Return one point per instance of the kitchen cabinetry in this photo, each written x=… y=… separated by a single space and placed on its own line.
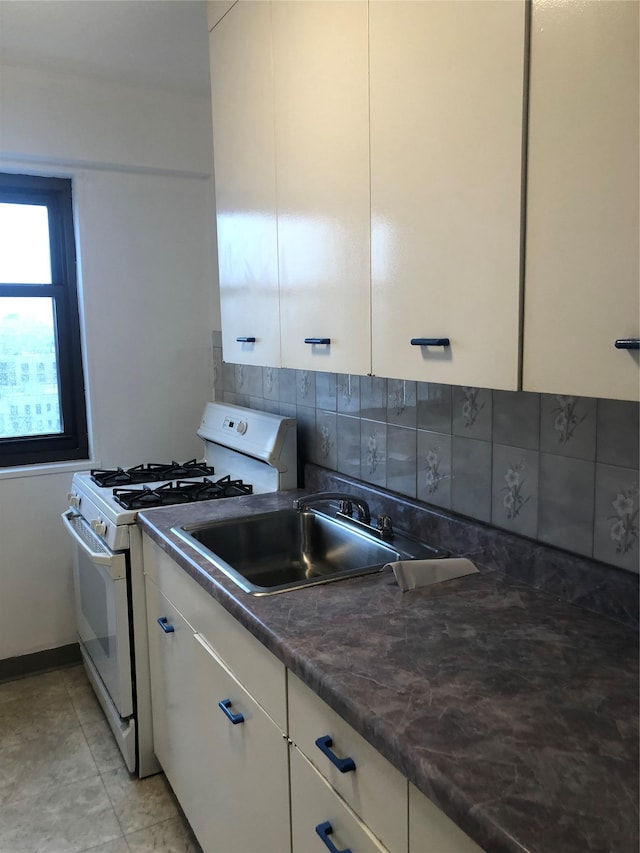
x=245 y=181
x=319 y=818
x=371 y=787
x=218 y=746
x=234 y=779
x=582 y=272
x=322 y=164
x=446 y=174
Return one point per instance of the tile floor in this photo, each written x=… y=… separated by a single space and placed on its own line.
x=64 y=787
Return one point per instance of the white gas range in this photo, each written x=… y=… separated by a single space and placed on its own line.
x=245 y=452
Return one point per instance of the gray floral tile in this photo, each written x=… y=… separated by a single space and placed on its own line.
x=349 y=445
x=373 y=450
x=306 y=433
x=516 y=419
x=287 y=385
x=471 y=415
x=287 y=410
x=326 y=445
x=326 y=391
x=565 y=511
x=434 y=407
x=514 y=502
x=348 y=393
x=401 y=402
x=616 y=517
x=434 y=468
x=228 y=377
x=271 y=383
x=618 y=433
x=218 y=385
x=249 y=380
x=305 y=388
x=568 y=426
x=401 y=460
x=471 y=477
x=373 y=398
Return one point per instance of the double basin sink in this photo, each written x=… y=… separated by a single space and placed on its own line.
x=300 y=546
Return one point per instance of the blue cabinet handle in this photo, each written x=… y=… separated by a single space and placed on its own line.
x=246 y=340
x=162 y=622
x=324 y=830
x=317 y=340
x=225 y=705
x=628 y=343
x=344 y=765
x=430 y=342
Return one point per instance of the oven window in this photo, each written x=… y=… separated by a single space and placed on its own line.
x=96 y=610
x=42 y=407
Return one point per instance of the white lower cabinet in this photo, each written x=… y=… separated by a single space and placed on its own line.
x=431 y=831
x=320 y=819
x=250 y=776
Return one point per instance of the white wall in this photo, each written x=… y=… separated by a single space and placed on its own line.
x=140 y=161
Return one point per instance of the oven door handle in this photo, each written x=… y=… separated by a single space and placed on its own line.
x=87 y=540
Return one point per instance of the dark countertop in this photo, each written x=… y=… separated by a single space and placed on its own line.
x=515 y=712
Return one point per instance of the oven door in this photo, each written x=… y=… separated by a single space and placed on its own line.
x=102 y=612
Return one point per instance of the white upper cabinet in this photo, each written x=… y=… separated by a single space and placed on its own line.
x=245 y=181
x=446 y=171
x=582 y=276
x=322 y=153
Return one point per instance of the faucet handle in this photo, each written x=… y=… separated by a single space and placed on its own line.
x=346 y=508
x=385 y=527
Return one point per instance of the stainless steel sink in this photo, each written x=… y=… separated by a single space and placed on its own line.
x=288 y=549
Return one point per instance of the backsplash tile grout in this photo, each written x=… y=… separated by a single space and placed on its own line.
x=561 y=470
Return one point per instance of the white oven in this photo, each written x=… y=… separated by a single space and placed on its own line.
x=246 y=451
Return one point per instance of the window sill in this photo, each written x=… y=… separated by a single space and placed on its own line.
x=46 y=469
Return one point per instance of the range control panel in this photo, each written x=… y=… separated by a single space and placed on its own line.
x=235 y=425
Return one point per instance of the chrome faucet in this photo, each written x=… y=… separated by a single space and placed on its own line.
x=347 y=502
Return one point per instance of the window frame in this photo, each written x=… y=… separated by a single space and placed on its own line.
x=73 y=442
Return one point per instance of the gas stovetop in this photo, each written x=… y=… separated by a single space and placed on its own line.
x=180 y=492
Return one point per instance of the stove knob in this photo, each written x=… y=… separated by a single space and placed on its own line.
x=98 y=526
x=242 y=427
x=73 y=500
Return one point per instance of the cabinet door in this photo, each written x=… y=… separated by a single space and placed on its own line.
x=244 y=159
x=244 y=806
x=582 y=276
x=446 y=172
x=320 y=820
x=171 y=661
x=431 y=831
x=322 y=151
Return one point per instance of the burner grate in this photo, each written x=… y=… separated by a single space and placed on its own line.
x=180 y=492
x=150 y=472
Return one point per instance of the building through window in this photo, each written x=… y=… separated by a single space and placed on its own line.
x=40 y=354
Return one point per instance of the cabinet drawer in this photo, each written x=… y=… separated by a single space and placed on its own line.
x=314 y=804
x=431 y=831
x=375 y=790
x=251 y=663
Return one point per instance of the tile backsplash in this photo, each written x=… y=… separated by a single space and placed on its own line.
x=560 y=469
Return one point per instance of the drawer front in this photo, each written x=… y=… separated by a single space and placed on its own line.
x=317 y=812
x=375 y=790
x=431 y=831
x=250 y=662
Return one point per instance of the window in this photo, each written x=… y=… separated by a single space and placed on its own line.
x=39 y=324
